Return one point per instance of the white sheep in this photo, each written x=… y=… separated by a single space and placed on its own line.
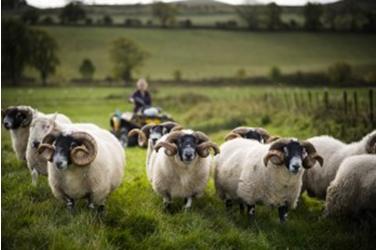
x=259 y=134
x=39 y=128
x=151 y=133
x=353 y=190
x=317 y=179
x=17 y=120
x=85 y=161
x=181 y=169
x=252 y=172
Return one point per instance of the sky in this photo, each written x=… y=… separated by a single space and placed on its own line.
x=59 y=3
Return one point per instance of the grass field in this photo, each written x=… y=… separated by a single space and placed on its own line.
x=207 y=53
x=33 y=219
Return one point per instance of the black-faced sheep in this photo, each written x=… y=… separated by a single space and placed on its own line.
x=180 y=165
x=271 y=174
x=84 y=161
x=258 y=134
x=317 y=179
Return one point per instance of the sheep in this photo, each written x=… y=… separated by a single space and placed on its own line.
x=181 y=169
x=39 y=127
x=259 y=134
x=151 y=133
x=251 y=172
x=17 y=120
x=84 y=161
x=317 y=180
x=353 y=190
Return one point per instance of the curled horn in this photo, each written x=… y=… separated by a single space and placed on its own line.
x=84 y=154
x=203 y=149
x=310 y=160
x=371 y=144
x=141 y=136
x=46 y=149
x=231 y=136
x=177 y=128
x=169 y=143
x=204 y=145
x=275 y=153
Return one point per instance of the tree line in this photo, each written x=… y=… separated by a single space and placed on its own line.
x=347 y=15
x=23 y=47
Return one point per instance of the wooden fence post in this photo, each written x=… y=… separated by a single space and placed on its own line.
x=371 y=108
x=326 y=99
x=356 y=108
x=310 y=99
x=345 y=102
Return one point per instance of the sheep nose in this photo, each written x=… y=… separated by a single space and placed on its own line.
x=35 y=144
x=189 y=155
x=59 y=164
x=154 y=140
x=296 y=167
x=7 y=125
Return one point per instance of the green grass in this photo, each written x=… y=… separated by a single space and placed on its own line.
x=207 y=53
x=33 y=219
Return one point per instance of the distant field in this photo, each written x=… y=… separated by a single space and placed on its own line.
x=204 y=53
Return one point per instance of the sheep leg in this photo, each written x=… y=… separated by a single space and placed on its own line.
x=241 y=207
x=188 y=203
x=228 y=204
x=282 y=210
x=167 y=201
x=251 y=211
x=70 y=204
x=34 y=177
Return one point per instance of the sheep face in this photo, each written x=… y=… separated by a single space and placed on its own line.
x=254 y=135
x=152 y=133
x=63 y=147
x=293 y=155
x=187 y=145
x=187 y=148
x=63 y=150
x=14 y=117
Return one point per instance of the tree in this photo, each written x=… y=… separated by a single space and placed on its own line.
x=30 y=16
x=340 y=72
x=107 y=20
x=15 y=49
x=127 y=57
x=166 y=13
x=273 y=16
x=250 y=15
x=72 y=13
x=312 y=15
x=87 y=69
x=43 y=54
x=330 y=15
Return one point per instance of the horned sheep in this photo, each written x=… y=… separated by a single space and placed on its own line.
x=317 y=179
x=17 y=120
x=84 y=161
x=180 y=165
x=251 y=172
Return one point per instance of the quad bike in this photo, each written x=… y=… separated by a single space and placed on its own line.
x=122 y=123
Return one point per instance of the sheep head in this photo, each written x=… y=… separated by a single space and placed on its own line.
x=153 y=132
x=79 y=148
x=15 y=117
x=259 y=134
x=371 y=144
x=292 y=154
x=187 y=144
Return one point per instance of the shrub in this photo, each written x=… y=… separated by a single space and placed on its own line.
x=47 y=20
x=241 y=74
x=275 y=73
x=340 y=72
x=107 y=20
x=177 y=75
x=87 y=69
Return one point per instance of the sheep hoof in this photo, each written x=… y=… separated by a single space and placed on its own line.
x=167 y=206
x=91 y=206
x=70 y=206
x=101 y=209
x=251 y=211
x=228 y=204
x=282 y=210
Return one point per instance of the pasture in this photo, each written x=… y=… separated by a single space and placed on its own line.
x=134 y=219
x=211 y=53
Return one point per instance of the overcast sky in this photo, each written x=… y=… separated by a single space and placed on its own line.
x=59 y=3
